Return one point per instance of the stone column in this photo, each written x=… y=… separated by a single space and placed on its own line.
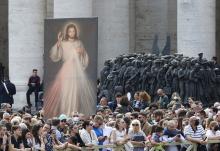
x=113 y=23
x=151 y=19
x=4 y=35
x=196 y=27
x=72 y=8
x=26 y=43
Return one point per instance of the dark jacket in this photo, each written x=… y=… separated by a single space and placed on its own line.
x=4 y=96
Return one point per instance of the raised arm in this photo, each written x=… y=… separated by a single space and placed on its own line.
x=57 y=50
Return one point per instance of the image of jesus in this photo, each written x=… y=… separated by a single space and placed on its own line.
x=71 y=91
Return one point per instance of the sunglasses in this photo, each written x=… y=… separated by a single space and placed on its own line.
x=63 y=120
x=135 y=124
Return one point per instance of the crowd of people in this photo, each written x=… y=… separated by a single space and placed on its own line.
x=138 y=124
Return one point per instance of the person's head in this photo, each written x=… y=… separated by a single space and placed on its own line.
x=71 y=32
x=98 y=121
x=153 y=107
x=181 y=113
x=6 y=107
x=144 y=96
x=34 y=72
x=46 y=127
x=127 y=121
x=202 y=114
x=37 y=130
x=214 y=110
x=142 y=117
x=208 y=121
x=63 y=120
x=55 y=122
x=53 y=133
x=74 y=129
x=27 y=118
x=214 y=59
x=100 y=111
x=16 y=130
x=194 y=121
x=160 y=92
x=171 y=125
x=185 y=122
x=213 y=126
x=200 y=55
x=118 y=97
x=87 y=125
x=124 y=101
x=159 y=130
x=190 y=101
x=158 y=115
x=6 y=117
x=104 y=101
x=136 y=96
x=135 y=125
x=217 y=117
x=190 y=114
x=175 y=96
x=134 y=115
x=26 y=134
x=120 y=124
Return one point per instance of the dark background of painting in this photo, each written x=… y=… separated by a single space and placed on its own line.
x=88 y=35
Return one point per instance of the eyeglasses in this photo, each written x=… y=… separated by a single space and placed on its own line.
x=64 y=120
x=135 y=124
x=91 y=124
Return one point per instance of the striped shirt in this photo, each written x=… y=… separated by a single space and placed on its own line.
x=197 y=134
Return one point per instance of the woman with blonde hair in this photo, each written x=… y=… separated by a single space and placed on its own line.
x=137 y=136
